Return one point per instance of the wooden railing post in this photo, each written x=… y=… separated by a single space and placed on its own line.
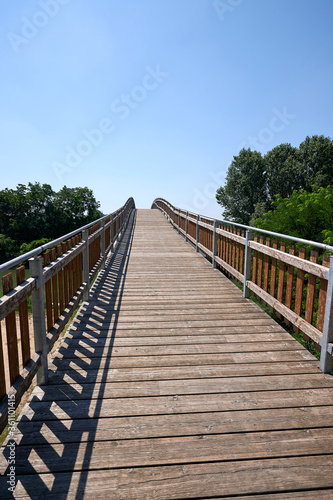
x=38 y=315
x=327 y=338
x=197 y=230
x=214 y=244
x=186 y=226
x=174 y=217
x=85 y=263
x=179 y=211
x=247 y=264
x=103 y=243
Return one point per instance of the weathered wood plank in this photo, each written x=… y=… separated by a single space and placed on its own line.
x=2 y=369
x=11 y=301
x=187 y=481
x=180 y=450
x=24 y=319
x=193 y=359
x=90 y=340
x=148 y=388
x=156 y=405
x=11 y=333
x=290 y=259
x=183 y=372
x=179 y=350
x=193 y=424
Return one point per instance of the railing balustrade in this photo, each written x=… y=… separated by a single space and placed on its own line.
x=59 y=278
x=294 y=281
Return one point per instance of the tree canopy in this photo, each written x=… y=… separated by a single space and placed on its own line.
x=36 y=211
x=304 y=214
x=253 y=181
x=245 y=186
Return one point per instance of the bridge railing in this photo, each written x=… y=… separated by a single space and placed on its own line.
x=57 y=280
x=293 y=276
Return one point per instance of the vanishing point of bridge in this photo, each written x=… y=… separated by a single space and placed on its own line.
x=169 y=384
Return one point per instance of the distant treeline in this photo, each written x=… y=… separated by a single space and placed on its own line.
x=31 y=215
x=286 y=190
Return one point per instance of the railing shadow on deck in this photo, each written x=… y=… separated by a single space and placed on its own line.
x=75 y=389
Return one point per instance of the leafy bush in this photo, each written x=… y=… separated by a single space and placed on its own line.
x=27 y=247
x=304 y=214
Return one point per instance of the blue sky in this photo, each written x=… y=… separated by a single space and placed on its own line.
x=150 y=98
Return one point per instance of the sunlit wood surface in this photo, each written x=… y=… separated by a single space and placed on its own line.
x=170 y=385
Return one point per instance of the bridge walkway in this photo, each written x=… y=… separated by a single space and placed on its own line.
x=169 y=384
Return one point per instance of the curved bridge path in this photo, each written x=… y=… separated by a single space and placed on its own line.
x=169 y=384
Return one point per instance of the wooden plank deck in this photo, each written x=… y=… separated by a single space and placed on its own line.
x=170 y=385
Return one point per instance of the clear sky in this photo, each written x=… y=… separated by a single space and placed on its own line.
x=153 y=98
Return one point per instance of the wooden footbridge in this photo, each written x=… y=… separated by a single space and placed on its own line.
x=169 y=383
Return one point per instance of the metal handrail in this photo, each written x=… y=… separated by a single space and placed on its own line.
x=37 y=251
x=317 y=244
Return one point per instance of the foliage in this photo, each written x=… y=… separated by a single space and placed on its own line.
x=282 y=176
x=8 y=248
x=74 y=207
x=253 y=181
x=27 y=247
x=245 y=186
x=29 y=213
x=304 y=214
x=315 y=161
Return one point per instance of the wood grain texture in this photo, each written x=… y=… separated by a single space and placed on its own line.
x=168 y=384
x=11 y=333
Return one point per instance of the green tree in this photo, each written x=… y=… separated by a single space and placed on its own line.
x=29 y=213
x=8 y=248
x=75 y=207
x=244 y=188
x=304 y=214
x=283 y=175
x=26 y=213
x=315 y=161
x=253 y=182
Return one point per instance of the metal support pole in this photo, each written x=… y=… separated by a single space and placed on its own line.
x=186 y=227
x=38 y=314
x=111 y=234
x=197 y=233
x=247 y=264
x=214 y=244
x=85 y=260
x=327 y=338
x=103 y=243
x=117 y=226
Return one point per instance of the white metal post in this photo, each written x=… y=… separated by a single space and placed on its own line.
x=247 y=264
x=111 y=233
x=186 y=226
x=117 y=225
x=327 y=338
x=103 y=243
x=85 y=263
x=197 y=233
x=38 y=314
x=214 y=244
